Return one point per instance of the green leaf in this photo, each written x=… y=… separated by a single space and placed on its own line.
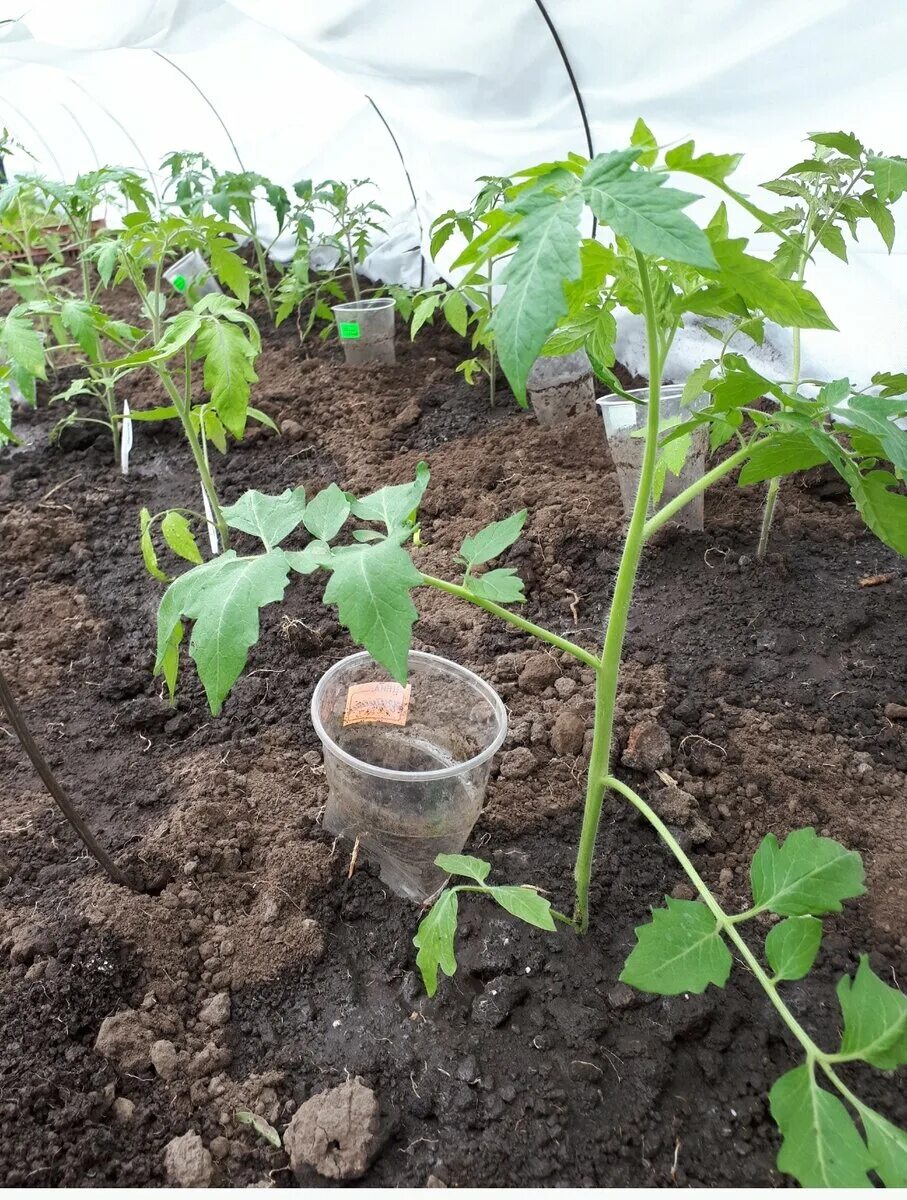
x=643 y=136
x=394 y=505
x=229 y=268
x=546 y=257
x=713 y=167
x=269 y=518
x=326 y=513
x=882 y=506
x=262 y=1127
x=880 y=216
x=169 y=659
x=178 y=536
x=792 y=945
x=149 y=556
x=807 y=875
x=637 y=206
x=681 y=950
x=831 y=237
x=873 y=415
x=782 y=300
x=423 y=310
x=781 y=454
x=464 y=864
x=844 y=143
x=78 y=318
x=502 y=586
x=214 y=429
x=22 y=345
x=887 y=1146
x=889 y=177
x=695 y=382
x=525 y=903
x=493 y=540
x=435 y=941
x=370 y=586
x=456 y=313
x=875 y=1019
x=106 y=261
x=222 y=597
x=821 y=1146
x=315 y=555
x=229 y=372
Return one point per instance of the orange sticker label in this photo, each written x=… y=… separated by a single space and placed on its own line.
x=383 y=703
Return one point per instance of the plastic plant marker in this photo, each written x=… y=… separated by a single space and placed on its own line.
x=349 y=330
x=179 y=282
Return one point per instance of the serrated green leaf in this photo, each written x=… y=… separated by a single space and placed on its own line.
x=229 y=356
x=821 y=1146
x=223 y=598
x=831 y=237
x=326 y=513
x=873 y=415
x=637 y=206
x=169 y=660
x=875 y=1019
x=680 y=950
x=493 y=540
x=695 y=382
x=393 y=505
x=525 y=903
x=643 y=136
x=22 y=345
x=880 y=216
x=371 y=585
x=713 y=167
x=435 y=941
x=107 y=261
x=316 y=554
x=784 y=301
x=502 y=586
x=229 y=268
x=781 y=454
x=844 y=143
x=262 y=1127
x=270 y=518
x=464 y=864
x=882 y=506
x=887 y=1148
x=889 y=177
x=806 y=875
x=792 y=945
x=214 y=429
x=178 y=536
x=149 y=557
x=423 y=310
x=78 y=318
x=456 y=313
x=546 y=257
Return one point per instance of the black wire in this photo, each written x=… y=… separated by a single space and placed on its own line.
x=412 y=190
x=207 y=100
x=576 y=92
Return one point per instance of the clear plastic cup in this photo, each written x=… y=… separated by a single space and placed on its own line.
x=561 y=386
x=408 y=792
x=191 y=277
x=366 y=329
x=624 y=421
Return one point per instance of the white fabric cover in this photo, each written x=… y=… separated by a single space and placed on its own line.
x=468 y=89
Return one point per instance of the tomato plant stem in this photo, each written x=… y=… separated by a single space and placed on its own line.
x=544 y=635
x=609 y=668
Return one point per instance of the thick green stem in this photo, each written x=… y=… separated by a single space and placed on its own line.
x=609 y=671
x=725 y=923
x=183 y=411
x=262 y=260
x=354 y=281
x=702 y=484
x=111 y=405
x=492 y=356
x=544 y=635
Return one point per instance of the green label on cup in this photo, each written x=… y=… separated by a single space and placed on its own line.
x=349 y=330
x=179 y=282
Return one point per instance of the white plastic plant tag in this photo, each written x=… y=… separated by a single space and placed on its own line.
x=125 y=438
x=212 y=528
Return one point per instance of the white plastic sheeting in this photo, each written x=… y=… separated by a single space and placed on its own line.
x=468 y=89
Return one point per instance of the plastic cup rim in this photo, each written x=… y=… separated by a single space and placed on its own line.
x=667 y=389
x=371 y=304
x=179 y=267
x=359 y=764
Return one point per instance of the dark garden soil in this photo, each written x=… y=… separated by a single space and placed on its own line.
x=532 y=1065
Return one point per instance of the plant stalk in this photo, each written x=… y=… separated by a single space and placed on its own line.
x=94 y=848
x=609 y=668
x=674 y=506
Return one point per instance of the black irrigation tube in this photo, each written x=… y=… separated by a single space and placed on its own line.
x=412 y=190
x=576 y=92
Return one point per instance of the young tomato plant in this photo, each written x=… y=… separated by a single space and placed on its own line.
x=842 y=186
x=22 y=364
x=661 y=260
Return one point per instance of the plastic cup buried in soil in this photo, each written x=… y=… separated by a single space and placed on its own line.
x=366 y=329
x=191 y=277
x=625 y=423
x=406 y=767
x=560 y=387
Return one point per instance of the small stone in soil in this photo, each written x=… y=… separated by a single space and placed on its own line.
x=517 y=764
x=648 y=747
x=338 y=1132
x=164 y=1058
x=187 y=1162
x=216 y=1011
x=568 y=734
x=539 y=673
x=125 y=1041
x=896 y=712
x=123 y=1110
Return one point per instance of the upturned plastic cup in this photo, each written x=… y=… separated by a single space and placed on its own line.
x=366 y=329
x=560 y=387
x=191 y=277
x=625 y=421
x=407 y=792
